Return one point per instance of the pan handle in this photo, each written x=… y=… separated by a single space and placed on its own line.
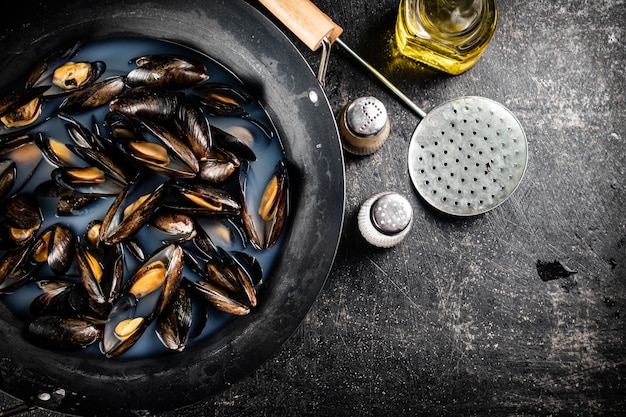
x=315 y=29
x=305 y=20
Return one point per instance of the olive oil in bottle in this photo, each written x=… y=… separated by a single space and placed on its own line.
x=449 y=35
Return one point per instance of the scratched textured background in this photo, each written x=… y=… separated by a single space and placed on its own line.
x=457 y=320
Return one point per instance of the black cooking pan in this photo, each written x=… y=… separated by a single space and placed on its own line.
x=236 y=34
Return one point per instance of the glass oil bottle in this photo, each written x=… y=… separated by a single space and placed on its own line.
x=448 y=35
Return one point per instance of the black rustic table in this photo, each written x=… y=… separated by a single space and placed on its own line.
x=519 y=311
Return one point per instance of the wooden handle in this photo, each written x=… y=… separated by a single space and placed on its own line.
x=305 y=20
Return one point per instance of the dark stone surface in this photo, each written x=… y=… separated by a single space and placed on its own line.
x=457 y=319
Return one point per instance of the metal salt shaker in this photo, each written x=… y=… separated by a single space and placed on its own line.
x=364 y=126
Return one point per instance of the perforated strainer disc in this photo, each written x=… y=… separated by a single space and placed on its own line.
x=467 y=156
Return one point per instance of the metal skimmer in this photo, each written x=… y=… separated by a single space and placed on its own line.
x=467 y=156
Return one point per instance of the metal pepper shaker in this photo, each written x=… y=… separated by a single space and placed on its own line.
x=364 y=125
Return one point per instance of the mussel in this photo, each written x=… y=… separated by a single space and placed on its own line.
x=90 y=181
x=96 y=95
x=22 y=217
x=55 y=247
x=167 y=71
x=177 y=226
x=15 y=269
x=59 y=332
x=204 y=199
x=265 y=218
x=223 y=99
x=21 y=108
x=101 y=272
x=133 y=311
x=85 y=170
x=220 y=99
x=54 y=300
x=132 y=208
x=228 y=283
x=79 y=133
x=162 y=151
x=57 y=152
x=123 y=326
x=240 y=145
x=14 y=141
x=173 y=324
x=149 y=102
x=72 y=75
x=8 y=171
x=64 y=297
x=218 y=166
x=194 y=127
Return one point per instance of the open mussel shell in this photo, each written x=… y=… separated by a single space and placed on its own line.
x=212 y=269
x=15 y=269
x=21 y=108
x=203 y=243
x=123 y=327
x=19 y=98
x=161 y=273
x=101 y=272
x=222 y=99
x=93 y=96
x=226 y=100
x=264 y=216
x=274 y=205
x=90 y=181
x=239 y=145
x=247 y=272
x=73 y=75
x=91 y=270
x=57 y=152
x=132 y=208
x=229 y=281
x=55 y=247
x=22 y=217
x=163 y=151
x=146 y=295
x=79 y=133
x=220 y=298
x=8 y=171
x=204 y=199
